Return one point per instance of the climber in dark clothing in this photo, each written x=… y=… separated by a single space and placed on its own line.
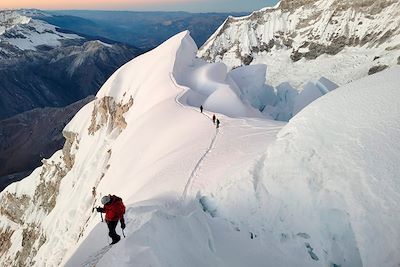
x=214 y=118
x=114 y=209
x=218 y=123
x=201 y=108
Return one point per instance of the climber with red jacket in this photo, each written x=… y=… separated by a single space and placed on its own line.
x=114 y=209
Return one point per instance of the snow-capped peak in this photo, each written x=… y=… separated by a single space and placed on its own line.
x=303 y=40
x=22 y=32
x=10 y=18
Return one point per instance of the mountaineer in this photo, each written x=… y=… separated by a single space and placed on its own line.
x=114 y=209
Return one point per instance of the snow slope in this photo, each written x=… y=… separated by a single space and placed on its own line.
x=333 y=174
x=201 y=196
x=318 y=197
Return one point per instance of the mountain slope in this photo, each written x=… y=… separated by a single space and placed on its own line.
x=304 y=40
x=145 y=30
x=43 y=67
x=245 y=194
x=25 y=139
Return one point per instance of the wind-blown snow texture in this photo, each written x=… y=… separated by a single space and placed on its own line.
x=324 y=192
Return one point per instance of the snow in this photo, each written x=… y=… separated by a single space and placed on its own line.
x=43 y=34
x=104 y=44
x=28 y=33
x=317 y=191
x=311 y=92
x=9 y=18
x=289 y=213
x=333 y=171
x=251 y=81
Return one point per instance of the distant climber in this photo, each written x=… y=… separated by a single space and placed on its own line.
x=201 y=108
x=114 y=209
x=94 y=192
x=214 y=118
x=218 y=123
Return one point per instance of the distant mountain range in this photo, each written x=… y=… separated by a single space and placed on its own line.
x=42 y=66
x=27 y=138
x=145 y=30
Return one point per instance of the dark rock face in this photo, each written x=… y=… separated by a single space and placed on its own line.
x=289 y=5
x=27 y=138
x=376 y=69
x=316 y=49
x=247 y=59
x=57 y=77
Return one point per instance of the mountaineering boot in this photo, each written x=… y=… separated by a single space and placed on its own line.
x=116 y=240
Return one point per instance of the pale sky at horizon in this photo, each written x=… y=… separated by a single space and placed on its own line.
x=142 y=5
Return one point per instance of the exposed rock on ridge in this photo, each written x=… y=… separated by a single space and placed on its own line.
x=18 y=208
x=107 y=111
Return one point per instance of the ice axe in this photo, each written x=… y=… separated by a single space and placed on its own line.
x=101 y=214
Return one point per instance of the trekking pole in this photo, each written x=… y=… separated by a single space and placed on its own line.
x=123 y=233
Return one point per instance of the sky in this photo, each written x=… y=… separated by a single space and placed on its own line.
x=143 y=5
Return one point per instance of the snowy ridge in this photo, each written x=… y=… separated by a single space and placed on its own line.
x=304 y=40
x=25 y=33
x=294 y=195
x=9 y=19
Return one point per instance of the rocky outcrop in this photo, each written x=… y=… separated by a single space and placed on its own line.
x=70 y=140
x=5 y=240
x=14 y=207
x=107 y=112
x=291 y=5
x=377 y=68
x=17 y=208
x=32 y=239
x=316 y=49
x=47 y=190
